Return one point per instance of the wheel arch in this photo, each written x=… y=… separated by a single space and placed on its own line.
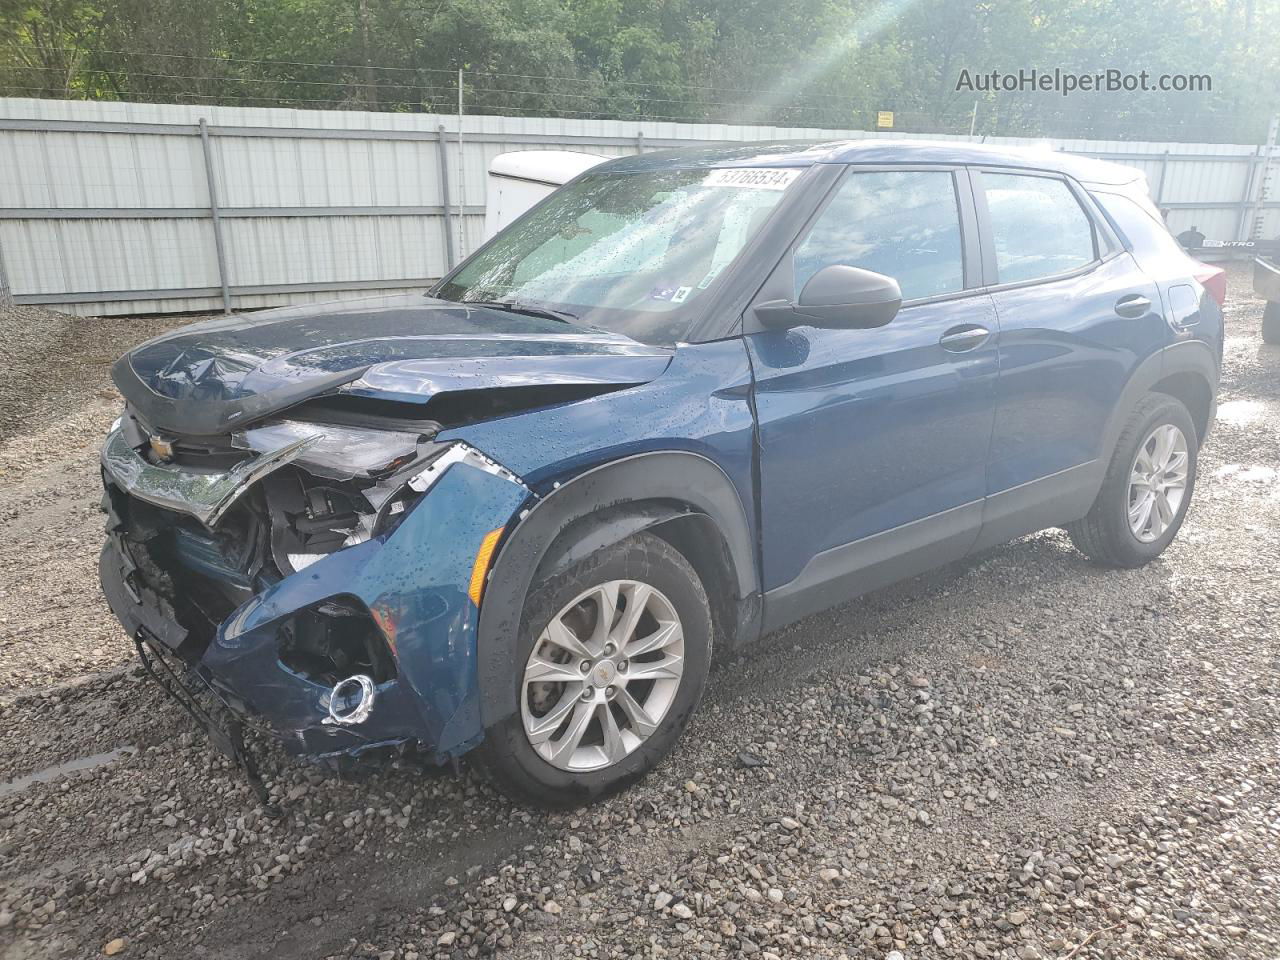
x=682 y=497
x=1195 y=393
x=1187 y=371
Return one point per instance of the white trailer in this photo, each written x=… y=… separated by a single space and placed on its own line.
x=519 y=179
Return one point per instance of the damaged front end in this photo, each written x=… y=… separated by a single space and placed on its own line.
x=323 y=577
x=298 y=531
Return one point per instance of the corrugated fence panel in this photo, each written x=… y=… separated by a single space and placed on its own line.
x=105 y=207
x=91 y=169
x=309 y=250
x=56 y=257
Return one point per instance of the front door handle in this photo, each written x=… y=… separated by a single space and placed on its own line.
x=966 y=337
x=1133 y=306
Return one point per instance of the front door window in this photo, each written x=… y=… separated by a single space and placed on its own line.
x=903 y=224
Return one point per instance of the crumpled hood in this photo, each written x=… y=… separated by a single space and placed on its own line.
x=212 y=376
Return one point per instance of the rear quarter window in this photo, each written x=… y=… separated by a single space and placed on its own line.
x=1141 y=227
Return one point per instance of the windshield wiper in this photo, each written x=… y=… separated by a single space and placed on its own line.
x=527 y=309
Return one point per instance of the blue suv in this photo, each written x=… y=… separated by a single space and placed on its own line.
x=689 y=398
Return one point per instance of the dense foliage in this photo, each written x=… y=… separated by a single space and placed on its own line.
x=828 y=63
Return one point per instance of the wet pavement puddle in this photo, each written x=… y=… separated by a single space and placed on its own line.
x=1242 y=413
x=1246 y=473
x=67 y=769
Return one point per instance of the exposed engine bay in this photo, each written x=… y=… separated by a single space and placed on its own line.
x=346 y=485
x=202 y=527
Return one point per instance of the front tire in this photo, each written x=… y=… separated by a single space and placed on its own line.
x=611 y=662
x=1147 y=489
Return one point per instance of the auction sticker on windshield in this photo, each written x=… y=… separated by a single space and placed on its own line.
x=756 y=178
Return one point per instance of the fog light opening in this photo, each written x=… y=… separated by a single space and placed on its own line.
x=351 y=700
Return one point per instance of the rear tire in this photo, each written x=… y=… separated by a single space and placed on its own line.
x=590 y=710
x=1132 y=522
x=1271 y=322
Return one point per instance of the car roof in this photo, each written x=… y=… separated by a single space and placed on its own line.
x=877 y=151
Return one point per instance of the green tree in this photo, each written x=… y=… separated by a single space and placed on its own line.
x=815 y=63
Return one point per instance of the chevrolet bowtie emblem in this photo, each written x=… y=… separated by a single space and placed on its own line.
x=162 y=448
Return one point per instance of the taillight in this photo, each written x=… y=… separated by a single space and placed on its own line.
x=1213 y=279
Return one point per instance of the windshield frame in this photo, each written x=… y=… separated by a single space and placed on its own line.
x=717 y=314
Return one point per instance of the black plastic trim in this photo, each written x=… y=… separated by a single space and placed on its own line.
x=1186 y=356
x=851 y=569
x=599 y=530
x=634 y=483
x=1051 y=501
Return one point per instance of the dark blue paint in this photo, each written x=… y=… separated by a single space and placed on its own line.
x=1065 y=355
x=210 y=376
x=417 y=381
x=699 y=404
x=879 y=427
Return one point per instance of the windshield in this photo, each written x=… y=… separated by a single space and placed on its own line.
x=626 y=252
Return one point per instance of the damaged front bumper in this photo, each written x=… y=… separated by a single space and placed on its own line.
x=388 y=624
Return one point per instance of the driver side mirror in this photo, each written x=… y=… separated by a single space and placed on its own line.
x=837 y=297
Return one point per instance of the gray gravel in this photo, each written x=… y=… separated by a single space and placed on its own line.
x=53 y=362
x=56 y=403
x=1020 y=756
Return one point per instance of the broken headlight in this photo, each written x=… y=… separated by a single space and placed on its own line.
x=333 y=494
x=340 y=453
x=314 y=514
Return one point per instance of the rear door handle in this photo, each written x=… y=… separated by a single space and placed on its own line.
x=966 y=337
x=1134 y=305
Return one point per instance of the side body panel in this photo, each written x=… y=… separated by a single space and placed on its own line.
x=863 y=431
x=1069 y=344
x=1065 y=357
x=1136 y=219
x=873 y=442
x=698 y=405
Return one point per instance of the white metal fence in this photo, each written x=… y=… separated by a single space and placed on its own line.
x=118 y=208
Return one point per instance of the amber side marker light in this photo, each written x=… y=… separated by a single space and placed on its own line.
x=483 y=556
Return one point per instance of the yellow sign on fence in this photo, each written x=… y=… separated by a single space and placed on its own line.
x=884 y=119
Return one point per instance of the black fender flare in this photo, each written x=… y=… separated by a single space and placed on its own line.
x=623 y=496
x=603 y=528
x=1188 y=356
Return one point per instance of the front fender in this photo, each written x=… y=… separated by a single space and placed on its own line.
x=662 y=477
x=414 y=581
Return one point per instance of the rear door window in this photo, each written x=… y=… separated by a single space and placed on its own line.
x=1038 y=227
x=903 y=224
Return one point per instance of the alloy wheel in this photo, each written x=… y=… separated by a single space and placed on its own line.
x=602 y=675
x=1157 y=482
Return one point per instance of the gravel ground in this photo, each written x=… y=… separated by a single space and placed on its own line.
x=1020 y=756
x=54 y=363
x=56 y=403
